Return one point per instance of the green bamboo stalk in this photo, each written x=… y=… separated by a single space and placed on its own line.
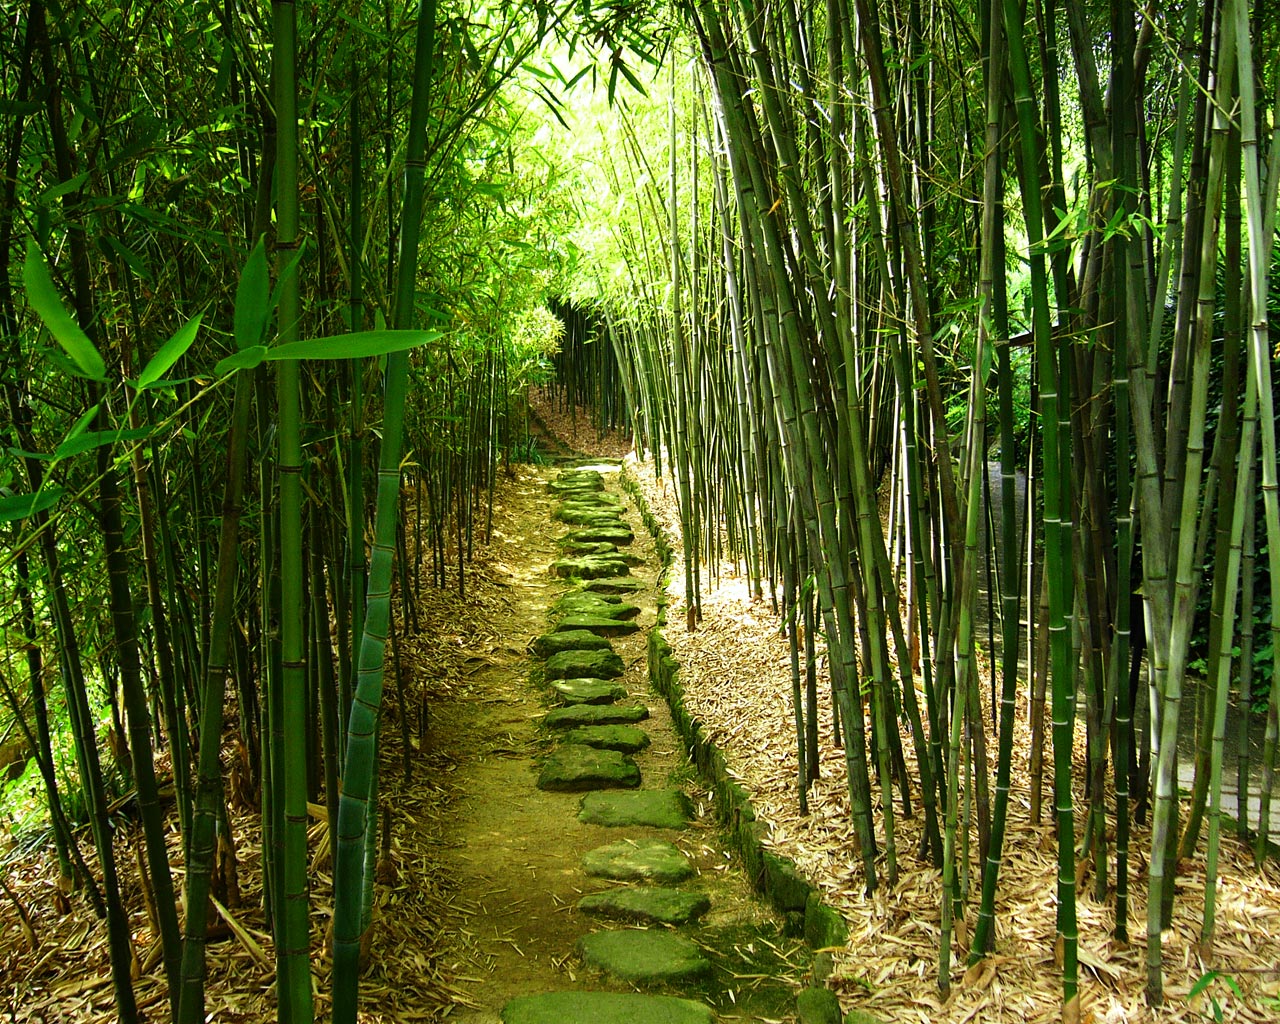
x=360 y=763
x=1057 y=570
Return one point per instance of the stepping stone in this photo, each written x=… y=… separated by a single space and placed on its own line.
x=614 y=585
x=657 y=808
x=624 y=738
x=607 y=606
x=639 y=860
x=574 y=548
x=597 y=499
x=576 y=768
x=604 y=1008
x=578 y=515
x=590 y=714
x=655 y=957
x=584 y=665
x=648 y=905
x=590 y=567
x=586 y=482
x=589 y=691
x=818 y=1006
x=607 y=534
x=570 y=640
x=598 y=624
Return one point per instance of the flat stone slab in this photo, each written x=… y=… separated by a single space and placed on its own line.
x=613 y=585
x=590 y=714
x=657 y=808
x=639 y=860
x=604 y=1008
x=575 y=483
x=570 y=640
x=576 y=548
x=587 y=515
x=591 y=567
x=575 y=664
x=594 y=499
x=624 y=738
x=647 y=905
x=656 y=957
x=598 y=624
x=589 y=691
x=607 y=534
x=575 y=768
x=608 y=606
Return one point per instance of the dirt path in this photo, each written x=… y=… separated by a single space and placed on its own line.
x=514 y=851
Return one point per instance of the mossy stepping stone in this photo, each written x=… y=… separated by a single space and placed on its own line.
x=644 y=957
x=584 y=483
x=604 y=1008
x=595 y=534
x=613 y=585
x=581 y=602
x=590 y=567
x=593 y=499
x=574 y=548
x=590 y=714
x=598 y=624
x=570 y=640
x=589 y=691
x=576 y=768
x=638 y=860
x=647 y=905
x=583 y=665
x=587 y=515
x=625 y=738
x=656 y=808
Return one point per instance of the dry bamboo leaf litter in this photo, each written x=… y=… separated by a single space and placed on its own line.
x=735 y=670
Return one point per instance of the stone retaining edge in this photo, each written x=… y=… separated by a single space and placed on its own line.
x=771 y=874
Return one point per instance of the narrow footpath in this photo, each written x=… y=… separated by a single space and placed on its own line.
x=593 y=883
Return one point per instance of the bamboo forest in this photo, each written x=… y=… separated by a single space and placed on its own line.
x=573 y=512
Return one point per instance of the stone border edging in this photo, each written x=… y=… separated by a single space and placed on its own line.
x=771 y=874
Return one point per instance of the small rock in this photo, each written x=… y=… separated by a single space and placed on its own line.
x=823 y=927
x=639 y=860
x=589 y=691
x=587 y=714
x=861 y=1017
x=657 y=808
x=817 y=1006
x=575 y=768
x=648 y=905
x=624 y=738
x=644 y=956
x=570 y=640
x=574 y=664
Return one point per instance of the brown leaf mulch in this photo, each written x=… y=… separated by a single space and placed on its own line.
x=737 y=678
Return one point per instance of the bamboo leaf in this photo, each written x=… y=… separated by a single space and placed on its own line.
x=253 y=305
x=96 y=439
x=351 y=346
x=246 y=359
x=47 y=303
x=170 y=352
x=21 y=506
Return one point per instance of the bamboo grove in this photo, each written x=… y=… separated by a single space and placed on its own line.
x=878 y=256
x=262 y=264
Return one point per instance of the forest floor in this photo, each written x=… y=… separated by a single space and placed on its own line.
x=476 y=896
